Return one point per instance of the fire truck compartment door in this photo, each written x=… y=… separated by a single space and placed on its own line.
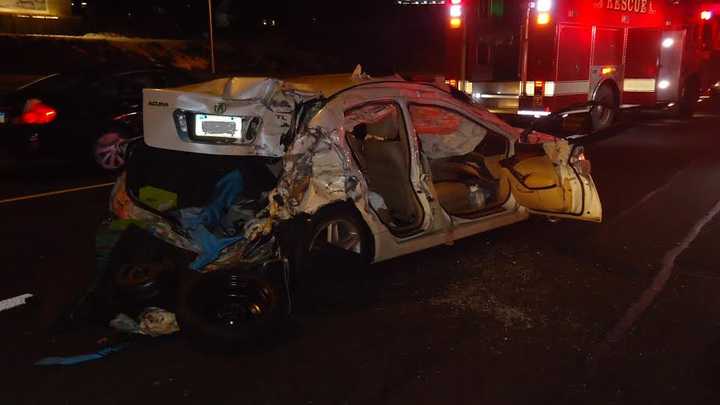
x=544 y=182
x=670 y=65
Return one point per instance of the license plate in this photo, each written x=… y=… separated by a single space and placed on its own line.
x=2 y=117
x=217 y=126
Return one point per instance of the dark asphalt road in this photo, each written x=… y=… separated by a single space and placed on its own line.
x=523 y=315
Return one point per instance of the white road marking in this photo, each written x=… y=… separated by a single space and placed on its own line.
x=52 y=193
x=661 y=278
x=11 y=303
x=649 y=195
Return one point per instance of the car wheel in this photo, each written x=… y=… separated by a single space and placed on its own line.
x=225 y=309
x=140 y=271
x=604 y=113
x=110 y=149
x=337 y=237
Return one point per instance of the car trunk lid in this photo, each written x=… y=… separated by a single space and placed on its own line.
x=260 y=111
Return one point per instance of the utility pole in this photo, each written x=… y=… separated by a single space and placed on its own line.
x=463 y=57
x=212 y=37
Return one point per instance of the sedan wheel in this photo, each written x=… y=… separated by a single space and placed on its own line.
x=110 y=150
x=336 y=238
x=339 y=234
x=225 y=310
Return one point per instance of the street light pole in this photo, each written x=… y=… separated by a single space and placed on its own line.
x=212 y=37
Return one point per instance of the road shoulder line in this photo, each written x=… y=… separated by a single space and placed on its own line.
x=659 y=281
x=54 y=193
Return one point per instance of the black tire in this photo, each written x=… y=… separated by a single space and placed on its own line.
x=604 y=114
x=689 y=94
x=141 y=272
x=226 y=309
x=110 y=148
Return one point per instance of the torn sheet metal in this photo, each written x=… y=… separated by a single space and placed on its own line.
x=318 y=170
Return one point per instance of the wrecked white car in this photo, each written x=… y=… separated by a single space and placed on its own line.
x=250 y=182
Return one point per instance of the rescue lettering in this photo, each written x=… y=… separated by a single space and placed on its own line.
x=632 y=6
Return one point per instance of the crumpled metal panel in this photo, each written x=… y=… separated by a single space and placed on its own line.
x=319 y=170
x=272 y=100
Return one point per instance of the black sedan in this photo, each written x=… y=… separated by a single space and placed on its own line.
x=80 y=115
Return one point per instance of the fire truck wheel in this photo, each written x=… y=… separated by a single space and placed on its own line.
x=603 y=115
x=688 y=98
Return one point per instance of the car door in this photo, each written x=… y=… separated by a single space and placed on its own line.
x=553 y=178
x=377 y=134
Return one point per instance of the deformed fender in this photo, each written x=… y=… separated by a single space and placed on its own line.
x=318 y=170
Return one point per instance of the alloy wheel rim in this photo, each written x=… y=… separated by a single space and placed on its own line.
x=110 y=151
x=337 y=233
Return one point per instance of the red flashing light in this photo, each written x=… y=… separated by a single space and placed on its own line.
x=37 y=113
x=706 y=15
x=455 y=2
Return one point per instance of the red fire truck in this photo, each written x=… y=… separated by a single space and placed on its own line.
x=535 y=57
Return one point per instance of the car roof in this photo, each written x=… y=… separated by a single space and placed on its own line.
x=329 y=85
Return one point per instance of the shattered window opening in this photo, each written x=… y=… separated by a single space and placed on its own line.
x=464 y=160
x=445 y=133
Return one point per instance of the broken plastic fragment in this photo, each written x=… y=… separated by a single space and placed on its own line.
x=152 y=322
x=158 y=199
x=158 y=322
x=72 y=360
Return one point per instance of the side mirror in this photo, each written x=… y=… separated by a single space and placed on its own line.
x=577 y=123
x=573 y=120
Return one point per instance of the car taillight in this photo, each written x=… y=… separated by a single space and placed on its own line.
x=579 y=161
x=37 y=113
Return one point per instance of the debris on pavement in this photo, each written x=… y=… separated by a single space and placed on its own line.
x=14 y=302
x=151 y=322
x=83 y=358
